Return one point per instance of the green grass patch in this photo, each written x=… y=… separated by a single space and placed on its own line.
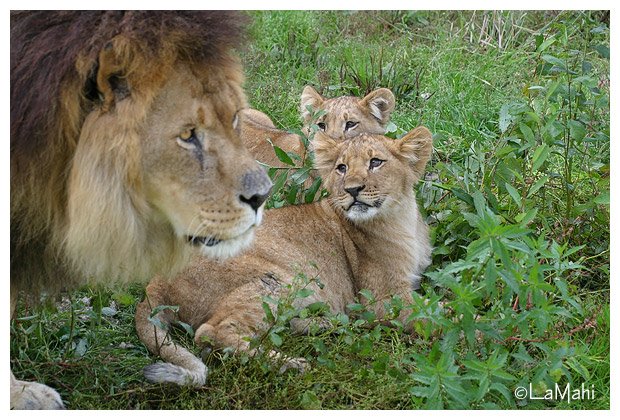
x=517 y=196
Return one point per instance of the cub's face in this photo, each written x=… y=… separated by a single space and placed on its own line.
x=370 y=176
x=197 y=173
x=347 y=116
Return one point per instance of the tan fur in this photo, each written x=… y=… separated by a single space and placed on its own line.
x=378 y=242
x=347 y=116
x=367 y=115
x=117 y=189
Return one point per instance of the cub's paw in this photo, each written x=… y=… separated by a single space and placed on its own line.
x=170 y=373
x=34 y=396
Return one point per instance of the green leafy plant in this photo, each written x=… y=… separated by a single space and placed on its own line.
x=290 y=181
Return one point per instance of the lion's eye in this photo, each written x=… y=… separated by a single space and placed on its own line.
x=322 y=126
x=375 y=163
x=350 y=125
x=342 y=168
x=187 y=139
x=235 y=121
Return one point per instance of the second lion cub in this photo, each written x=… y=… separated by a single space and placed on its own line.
x=345 y=117
x=368 y=234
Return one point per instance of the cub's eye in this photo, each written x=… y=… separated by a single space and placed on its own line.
x=187 y=139
x=375 y=163
x=350 y=125
x=322 y=126
x=342 y=168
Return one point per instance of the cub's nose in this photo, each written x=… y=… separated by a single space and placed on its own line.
x=354 y=191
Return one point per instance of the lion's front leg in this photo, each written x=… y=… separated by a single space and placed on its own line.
x=33 y=396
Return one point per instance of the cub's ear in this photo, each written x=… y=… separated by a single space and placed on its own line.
x=416 y=146
x=311 y=98
x=380 y=103
x=111 y=83
x=326 y=152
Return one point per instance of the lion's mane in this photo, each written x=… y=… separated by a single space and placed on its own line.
x=54 y=88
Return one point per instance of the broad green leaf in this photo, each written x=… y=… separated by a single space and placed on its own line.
x=554 y=61
x=462 y=195
x=283 y=156
x=188 y=328
x=602 y=198
x=545 y=44
x=527 y=217
x=81 y=347
x=160 y=308
x=309 y=401
x=268 y=313
x=577 y=130
x=311 y=192
x=542 y=181
x=587 y=81
x=540 y=156
x=555 y=128
x=480 y=203
x=107 y=311
x=504 y=117
x=367 y=294
x=280 y=181
x=602 y=50
x=275 y=339
x=527 y=133
x=304 y=293
x=514 y=194
x=355 y=307
x=158 y=323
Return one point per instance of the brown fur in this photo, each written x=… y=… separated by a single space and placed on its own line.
x=106 y=184
x=381 y=245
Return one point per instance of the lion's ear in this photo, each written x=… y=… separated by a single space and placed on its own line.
x=326 y=152
x=310 y=98
x=380 y=103
x=417 y=146
x=110 y=79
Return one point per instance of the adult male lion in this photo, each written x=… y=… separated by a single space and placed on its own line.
x=125 y=151
x=369 y=234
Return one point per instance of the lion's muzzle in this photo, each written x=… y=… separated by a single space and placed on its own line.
x=256 y=187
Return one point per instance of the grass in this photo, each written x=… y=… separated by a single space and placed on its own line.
x=543 y=307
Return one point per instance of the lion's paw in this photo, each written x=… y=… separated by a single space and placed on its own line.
x=34 y=396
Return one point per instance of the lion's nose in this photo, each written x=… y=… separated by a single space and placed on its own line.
x=354 y=191
x=256 y=187
x=254 y=201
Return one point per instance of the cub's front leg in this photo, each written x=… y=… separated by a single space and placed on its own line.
x=237 y=319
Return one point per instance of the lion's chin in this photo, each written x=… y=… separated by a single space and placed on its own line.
x=220 y=249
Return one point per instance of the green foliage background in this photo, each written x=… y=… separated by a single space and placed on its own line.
x=517 y=196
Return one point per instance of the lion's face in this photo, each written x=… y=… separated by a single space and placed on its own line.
x=197 y=174
x=162 y=172
x=369 y=176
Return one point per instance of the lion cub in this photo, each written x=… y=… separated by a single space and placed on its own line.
x=345 y=117
x=368 y=234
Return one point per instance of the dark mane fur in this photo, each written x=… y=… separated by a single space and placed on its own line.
x=54 y=64
x=46 y=44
